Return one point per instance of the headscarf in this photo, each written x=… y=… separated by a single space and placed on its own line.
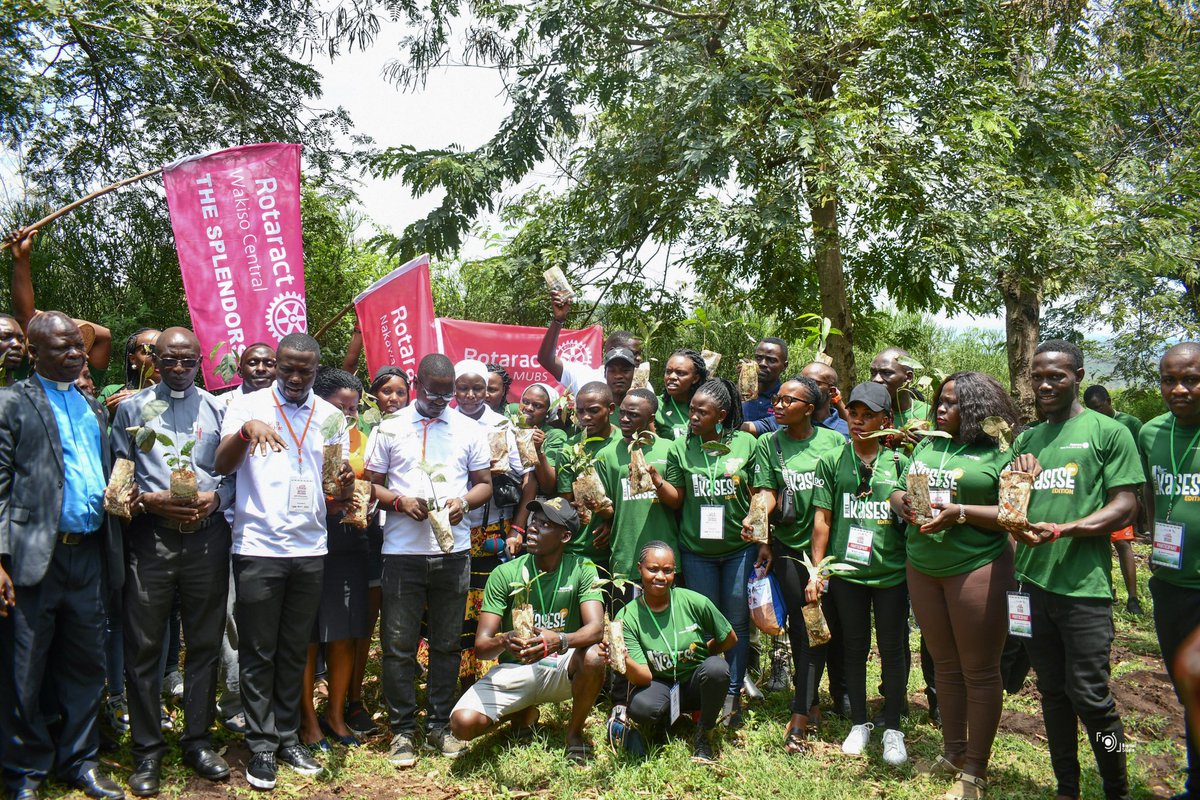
x=552 y=396
x=470 y=366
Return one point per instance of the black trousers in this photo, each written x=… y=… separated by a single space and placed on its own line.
x=413 y=584
x=854 y=603
x=1176 y=617
x=1070 y=651
x=54 y=639
x=807 y=662
x=160 y=563
x=704 y=689
x=276 y=606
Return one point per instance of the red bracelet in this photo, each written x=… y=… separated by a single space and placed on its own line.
x=517 y=528
x=242 y=434
x=1055 y=532
x=545 y=649
x=396 y=504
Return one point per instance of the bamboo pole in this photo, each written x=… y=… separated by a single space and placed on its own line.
x=46 y=220
x=333 y=321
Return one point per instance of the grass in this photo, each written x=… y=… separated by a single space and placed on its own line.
x=752 y=763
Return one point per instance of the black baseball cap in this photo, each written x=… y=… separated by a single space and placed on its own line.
x=559 y=511
x=873 y=395
x=620 y=354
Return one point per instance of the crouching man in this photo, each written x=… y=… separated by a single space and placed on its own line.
x=561 y=661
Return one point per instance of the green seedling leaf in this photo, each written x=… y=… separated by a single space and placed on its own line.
x=144 y=439
x=153 y=410
x=216 y=349
x=371 y=417
x=911 y=363
x=933 y=433
x=716 y=448
x=999 y=429
x=333 y=426
x=227 y=367
x=642 y=439
x=163 y=439
x=187 y=448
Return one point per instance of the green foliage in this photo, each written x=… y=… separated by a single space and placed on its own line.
x=1145 y=404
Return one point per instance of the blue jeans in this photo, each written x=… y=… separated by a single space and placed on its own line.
x=722 y=579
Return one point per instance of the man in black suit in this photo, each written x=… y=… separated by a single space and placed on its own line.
x=59 y=553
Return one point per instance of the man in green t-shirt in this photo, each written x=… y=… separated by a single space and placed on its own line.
x=1172 y=465
x=1084 y=491
x=891 y=368
x=560 y=661
x=595 y=408
x=1096 y=398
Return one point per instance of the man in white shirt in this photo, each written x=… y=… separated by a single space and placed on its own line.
x=273 y=440
x=427 y=457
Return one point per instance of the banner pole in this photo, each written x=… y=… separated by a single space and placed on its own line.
x=46 y=220
x=345 y=310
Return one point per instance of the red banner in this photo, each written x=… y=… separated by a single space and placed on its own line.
x=515 y=347
x=236 y=217
x=396 y=317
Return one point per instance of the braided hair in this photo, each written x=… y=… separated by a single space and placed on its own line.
x=505 y=380
x=697 y=364
x=725 y=394
x=651 y=546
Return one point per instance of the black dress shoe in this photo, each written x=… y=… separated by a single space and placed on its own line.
x=145 y=780
x=207 y=764
x=95 y=783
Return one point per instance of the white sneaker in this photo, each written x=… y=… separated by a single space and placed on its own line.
x=856 y=740
x=894 y=751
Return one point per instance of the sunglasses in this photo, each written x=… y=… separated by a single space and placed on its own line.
x=172 y=363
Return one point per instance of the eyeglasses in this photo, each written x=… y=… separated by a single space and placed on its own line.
x=786 y=400
x=172 y=363
x=445 y=398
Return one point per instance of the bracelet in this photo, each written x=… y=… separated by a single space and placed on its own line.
x=545 y=649
x=465 y=503
x=396 y=504
x=517 y=528
x=562 y=641
x=1055 y=532
x=242 y=433
x=962 y=513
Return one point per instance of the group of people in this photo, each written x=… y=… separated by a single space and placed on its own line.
x=467 y=523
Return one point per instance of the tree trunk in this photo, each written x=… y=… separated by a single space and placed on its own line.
x=1022 y=313
x=827 y=257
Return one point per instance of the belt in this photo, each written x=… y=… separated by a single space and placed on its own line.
x=184 y=527
x=73 y=538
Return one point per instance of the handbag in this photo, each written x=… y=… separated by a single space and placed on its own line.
x=784 y=512
x=506 y=490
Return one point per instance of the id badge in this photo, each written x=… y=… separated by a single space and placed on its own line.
x=674 y=702
x=858 y=546
x=301 y=493
x=1020 y=615
x=939 y=497
x=1168 y=545
x=712 y=522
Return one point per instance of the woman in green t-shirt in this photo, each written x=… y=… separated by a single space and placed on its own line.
x=683 y=374
x=675 y=639
x=783 y=460
x=960 y=568
x=708 y=481
x=855 y=524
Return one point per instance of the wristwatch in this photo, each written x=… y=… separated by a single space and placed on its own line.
x=962 y=513
x=466 y=505
x=562 y=643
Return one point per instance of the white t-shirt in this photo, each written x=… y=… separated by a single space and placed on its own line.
x=576 y=375
x=490 y=421
x=263 y=525
x=451 y=441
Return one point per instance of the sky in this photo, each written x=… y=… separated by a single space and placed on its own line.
x=460 y=105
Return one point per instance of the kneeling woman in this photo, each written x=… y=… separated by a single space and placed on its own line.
x=675 y=638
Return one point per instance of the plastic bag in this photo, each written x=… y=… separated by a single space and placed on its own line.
x=118 y=493
x=758 y=516
x=712 y=360
x=747 y=381
x=357 y=513
x=918 y=497
x=498 y=443
x=641 y=376
x=331 y=463
x=767 y=610
x=614 y=636
x=1015 y=488
x=640 y=481
x=817 y=626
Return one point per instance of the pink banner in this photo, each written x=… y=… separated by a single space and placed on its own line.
x=236 y=217
x=515 y=347
x=396 y=317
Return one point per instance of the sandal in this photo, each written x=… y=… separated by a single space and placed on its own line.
x=966 y=787
x=941 y=767
x=796 y=742
x=579 y=754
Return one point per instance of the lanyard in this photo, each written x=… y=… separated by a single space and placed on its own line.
x=662 y=634
x=537 y=582
x=300 y=441
x=678 y=411
x=947 y=455
x=1175 y=469
x=710 y=469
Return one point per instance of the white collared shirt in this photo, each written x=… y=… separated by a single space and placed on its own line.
x=262 y=523
x=452 y=442
x=490 y=421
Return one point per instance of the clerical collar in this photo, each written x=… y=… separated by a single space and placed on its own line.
x=178 y=395
x=62 y=386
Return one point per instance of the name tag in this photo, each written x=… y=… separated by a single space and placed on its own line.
x=1168 y=545
x=859 y=545
x=939 y=497
x=712 y=522
x=1020 y=615
x=301 y=494
x=674 y=702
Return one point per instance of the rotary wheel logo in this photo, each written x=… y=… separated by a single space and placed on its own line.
x=574 y=351
x=287 y=314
